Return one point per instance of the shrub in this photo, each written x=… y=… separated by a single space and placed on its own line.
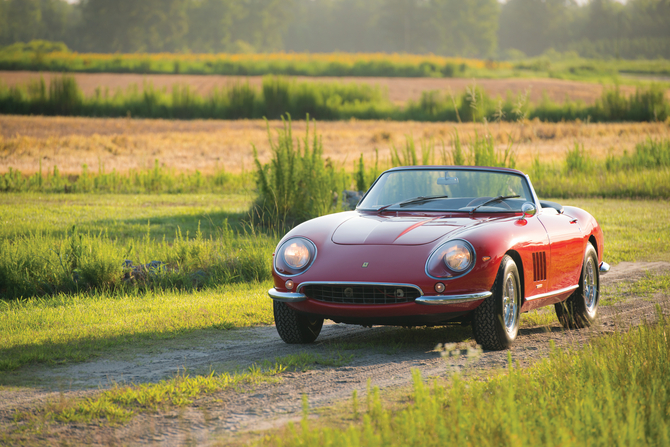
x=297 y=184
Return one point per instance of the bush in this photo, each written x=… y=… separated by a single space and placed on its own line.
x=297 y=184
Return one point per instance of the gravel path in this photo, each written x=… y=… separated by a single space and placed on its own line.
x=376 y=358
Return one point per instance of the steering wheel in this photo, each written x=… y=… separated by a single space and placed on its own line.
x=480 y=200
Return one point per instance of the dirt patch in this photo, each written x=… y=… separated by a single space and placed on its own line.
x=376 y=358
x=400 y=90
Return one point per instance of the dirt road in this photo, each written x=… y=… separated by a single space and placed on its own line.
x=384 y=356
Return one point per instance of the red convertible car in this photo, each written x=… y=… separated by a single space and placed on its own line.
x=430 y=245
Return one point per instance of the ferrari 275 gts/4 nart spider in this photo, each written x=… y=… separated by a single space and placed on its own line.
x=429 y=245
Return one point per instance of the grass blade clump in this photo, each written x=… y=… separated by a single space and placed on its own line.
x=297 y=184
x=613 y=392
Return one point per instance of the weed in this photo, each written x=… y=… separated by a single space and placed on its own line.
x=297 y=184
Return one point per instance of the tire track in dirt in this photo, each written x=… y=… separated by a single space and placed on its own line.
x=223 y=415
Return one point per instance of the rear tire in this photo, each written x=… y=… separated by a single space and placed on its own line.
x=495 y=322
x=293 y=327
x=579 y=310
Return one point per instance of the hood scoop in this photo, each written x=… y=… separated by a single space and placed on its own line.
x=378 y=230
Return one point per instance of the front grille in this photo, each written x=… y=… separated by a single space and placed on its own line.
x=361 y=294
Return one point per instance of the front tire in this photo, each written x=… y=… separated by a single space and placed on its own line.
x=496 y=321
x=293 y=327
x=579 y=310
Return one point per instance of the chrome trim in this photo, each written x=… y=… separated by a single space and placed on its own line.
x=555 y=292
x=311 y=261
x=286 y=297
x=453 y=299
x=357 y=283
x=604 y=268
x=458 y=274
x=528 y=210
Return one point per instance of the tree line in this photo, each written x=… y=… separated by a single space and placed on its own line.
x=470 y=28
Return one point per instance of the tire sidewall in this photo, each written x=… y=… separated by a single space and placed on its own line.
x=590 y=252
x=509 y=268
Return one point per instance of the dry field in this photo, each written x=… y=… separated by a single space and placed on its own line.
x=211 y=145
x=400 y=90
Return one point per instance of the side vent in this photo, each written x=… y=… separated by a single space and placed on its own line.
x=539 y=266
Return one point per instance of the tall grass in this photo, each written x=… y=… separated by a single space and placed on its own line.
x=643 y=174
x=49 y=262
x=155 y=180
x=612 y=392
x=298 y=183
x=324 y=101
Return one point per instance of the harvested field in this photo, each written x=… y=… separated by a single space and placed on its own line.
x=400 y=90
x=211 y=145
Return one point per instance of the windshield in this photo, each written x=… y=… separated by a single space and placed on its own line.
x=448 y=190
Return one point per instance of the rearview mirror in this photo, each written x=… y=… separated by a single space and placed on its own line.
x=447 y=180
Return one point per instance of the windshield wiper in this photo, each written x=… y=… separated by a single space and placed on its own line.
x=495 y=199
x=419 y=199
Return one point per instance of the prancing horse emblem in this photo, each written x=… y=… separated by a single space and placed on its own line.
x=365 y=264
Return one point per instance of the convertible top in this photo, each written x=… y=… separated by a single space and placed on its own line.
x=547 y=204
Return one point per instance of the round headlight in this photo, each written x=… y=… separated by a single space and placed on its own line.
x=450 y=260
x=296 y=254
x=458 y=256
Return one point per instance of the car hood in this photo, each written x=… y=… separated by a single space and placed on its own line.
x=407 y=230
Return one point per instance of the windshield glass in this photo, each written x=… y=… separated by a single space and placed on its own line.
x=464 y=190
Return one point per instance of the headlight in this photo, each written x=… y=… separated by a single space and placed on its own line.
x=457 y=257
x=294 y=256
x=451 y=259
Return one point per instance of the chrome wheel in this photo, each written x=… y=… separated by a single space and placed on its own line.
x=495 y=322
x=580 y=309
x=590 y=287
x=510 y=304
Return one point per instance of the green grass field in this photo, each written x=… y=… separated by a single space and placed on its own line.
x=76 y=325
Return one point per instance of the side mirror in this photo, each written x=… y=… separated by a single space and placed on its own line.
x=528 y=210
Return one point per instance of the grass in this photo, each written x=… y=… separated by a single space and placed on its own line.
x=81 y=243
x=646 y=287
x=120 y=403
x=75 y=328
x=29 y=56
x=22 y=57
x=323 y=101
x=612 y=392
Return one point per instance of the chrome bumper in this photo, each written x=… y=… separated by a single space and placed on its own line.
x=453 y=299
x=292 y=297
x=604 y=268
x=286 y=297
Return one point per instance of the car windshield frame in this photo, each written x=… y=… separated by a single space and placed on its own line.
x=529 y=194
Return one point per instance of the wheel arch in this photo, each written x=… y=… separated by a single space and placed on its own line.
x=519 y=265
x=594 y=242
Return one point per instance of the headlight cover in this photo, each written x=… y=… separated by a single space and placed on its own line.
x=294 y=256
x=450 y=260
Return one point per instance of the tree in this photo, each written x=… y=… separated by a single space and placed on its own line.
x=467 y=27
x=133 y=25
x=408 y=25
x=534 y=26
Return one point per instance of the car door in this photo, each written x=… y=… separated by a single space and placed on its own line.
x=566 y=249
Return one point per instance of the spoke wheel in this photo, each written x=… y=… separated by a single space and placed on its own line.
x=580 y=309
x=496 y=321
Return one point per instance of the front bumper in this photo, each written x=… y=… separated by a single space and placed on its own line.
x=293 y=297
